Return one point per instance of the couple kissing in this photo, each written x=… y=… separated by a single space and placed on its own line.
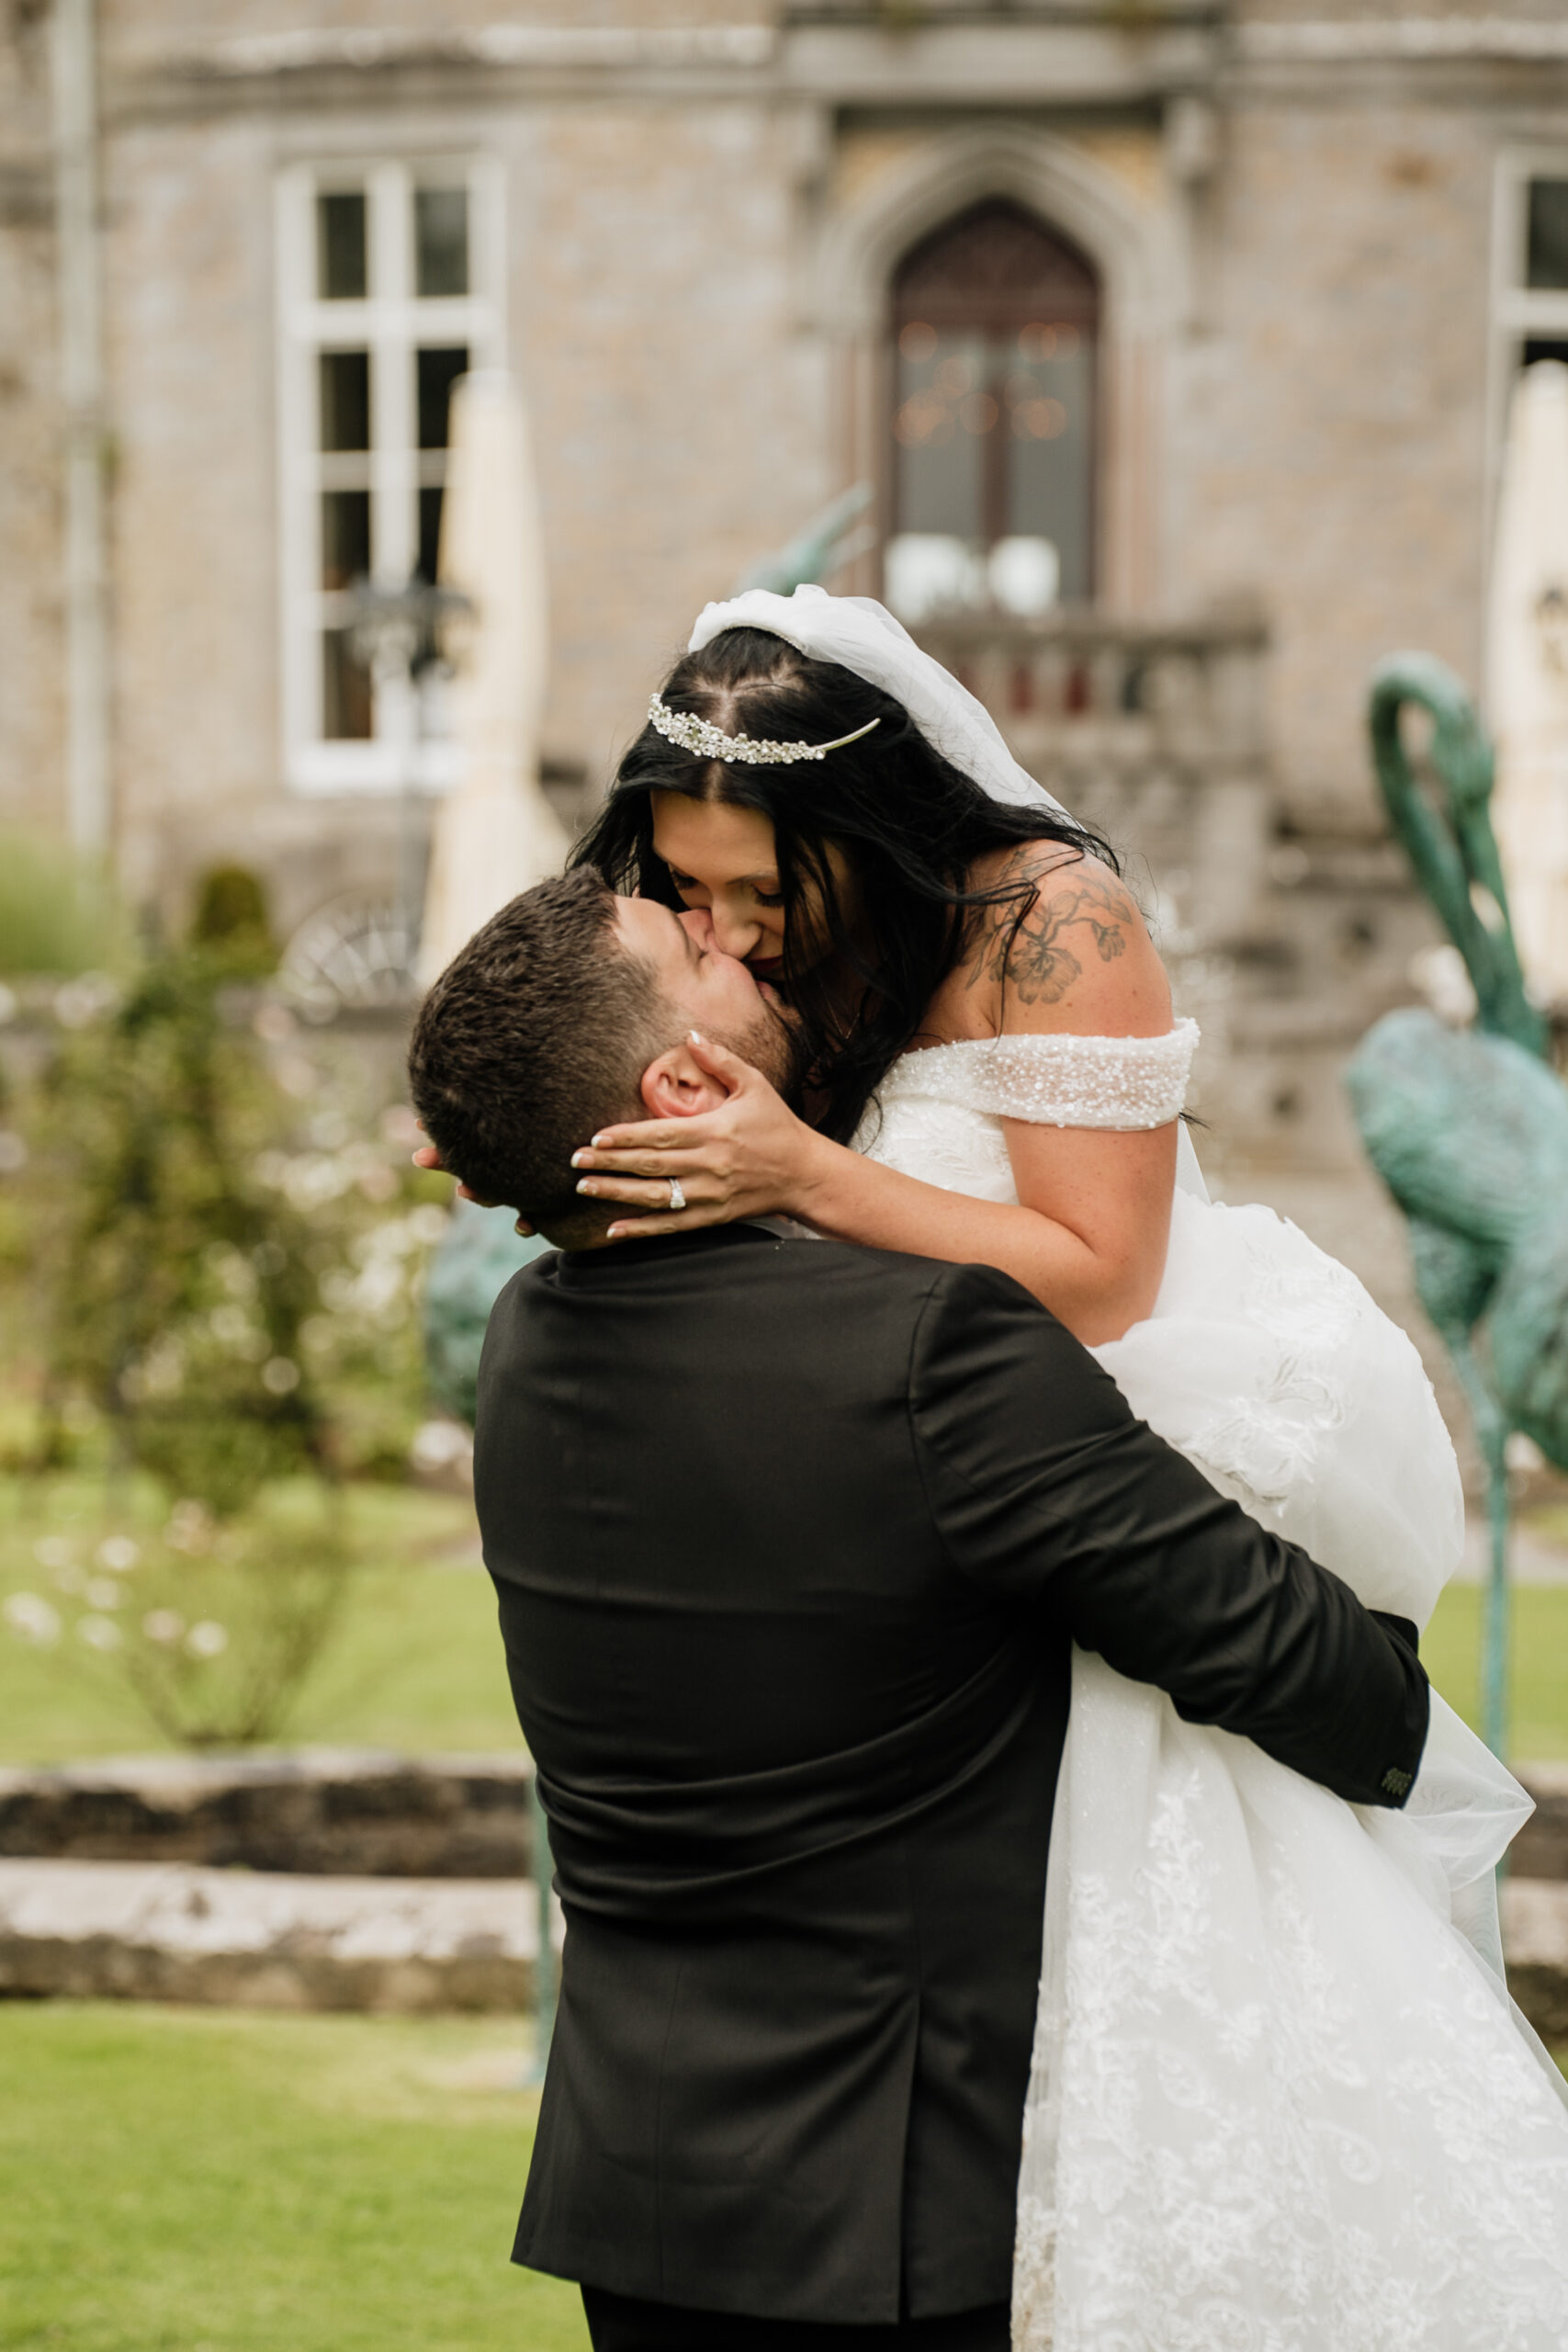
x=961 y=1588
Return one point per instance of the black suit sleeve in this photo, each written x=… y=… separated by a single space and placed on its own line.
x=1047 y=1488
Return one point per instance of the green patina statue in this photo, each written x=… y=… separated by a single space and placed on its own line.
x=829 y=540
x=479 y=1253
x=1469 y=1129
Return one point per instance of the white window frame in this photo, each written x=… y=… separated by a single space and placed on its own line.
x=1519 y=312
x=391 y=321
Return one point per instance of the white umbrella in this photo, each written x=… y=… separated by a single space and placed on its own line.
x=1528 y=674
x=496 y=833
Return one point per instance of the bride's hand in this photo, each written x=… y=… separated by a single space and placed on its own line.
x=428 y=1158
x=749 y=1156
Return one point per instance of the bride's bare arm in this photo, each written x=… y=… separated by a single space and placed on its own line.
x=1089 y=1235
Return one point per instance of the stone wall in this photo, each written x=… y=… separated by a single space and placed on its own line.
x=685 y=417
x=32 y=777
x=367 y=1814
x=1328 y=440
x=108 y=1887
x=1317 y=427
x=1298 y=405
x=681 y=423
x=190 y=352
x=144 y=33
x=129 y=1932
x=312 y=1811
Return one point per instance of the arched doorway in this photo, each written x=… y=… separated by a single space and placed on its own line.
x=995 y=327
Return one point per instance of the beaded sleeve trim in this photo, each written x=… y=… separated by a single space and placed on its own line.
x=1054 y=1082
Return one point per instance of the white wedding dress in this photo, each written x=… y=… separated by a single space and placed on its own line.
x=1280 y=2101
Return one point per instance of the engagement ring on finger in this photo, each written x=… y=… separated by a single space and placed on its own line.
x=677 y=1197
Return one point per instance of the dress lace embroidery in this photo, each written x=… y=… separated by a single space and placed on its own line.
x=1277 y=2104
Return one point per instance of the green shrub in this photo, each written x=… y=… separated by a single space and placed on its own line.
x=58 y=913
x=231 y=921
x=177 y=1280
x=211 y=1255
x=213 y=1628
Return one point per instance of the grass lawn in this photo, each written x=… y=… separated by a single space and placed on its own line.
x=195 y=2180
x=1451 y=1649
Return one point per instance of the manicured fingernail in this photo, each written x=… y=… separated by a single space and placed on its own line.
x=596 y=1142
x=584 y=1184
x=695 y=1037
x=579 y=1160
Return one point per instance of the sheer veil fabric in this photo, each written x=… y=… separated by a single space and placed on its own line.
x=1280 y=2101
x=862 y=636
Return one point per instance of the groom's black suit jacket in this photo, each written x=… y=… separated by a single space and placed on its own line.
x=790 y=1541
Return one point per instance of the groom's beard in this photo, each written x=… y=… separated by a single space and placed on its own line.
x=770 y=1044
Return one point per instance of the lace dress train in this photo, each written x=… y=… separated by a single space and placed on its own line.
x=1279 y=2100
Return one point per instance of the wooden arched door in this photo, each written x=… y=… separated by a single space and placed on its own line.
x=996 y=320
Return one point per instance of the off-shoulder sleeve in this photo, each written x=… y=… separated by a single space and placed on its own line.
x=1055 y=1081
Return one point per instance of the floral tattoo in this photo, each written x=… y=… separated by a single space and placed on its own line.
x=1043 y=950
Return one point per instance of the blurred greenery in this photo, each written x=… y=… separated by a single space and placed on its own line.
x=212 y=1252
x=175 y=1278
x=192 y=2180
x=1450 y=1650
x=231 y=921
x=58 y=914
x=414 y=1661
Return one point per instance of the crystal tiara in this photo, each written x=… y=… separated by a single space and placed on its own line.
x=706 y=742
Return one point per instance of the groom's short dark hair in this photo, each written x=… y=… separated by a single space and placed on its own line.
x=536 y=1035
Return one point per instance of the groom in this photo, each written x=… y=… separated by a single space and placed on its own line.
x=792 y=1540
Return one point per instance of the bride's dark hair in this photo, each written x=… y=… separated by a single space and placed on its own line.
x=910 y=824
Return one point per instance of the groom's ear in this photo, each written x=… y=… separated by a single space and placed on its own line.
x=677 y=1087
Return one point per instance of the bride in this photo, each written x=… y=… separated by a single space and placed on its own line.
x=1280 y=2101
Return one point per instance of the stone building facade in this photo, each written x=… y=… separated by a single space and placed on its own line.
x=1307 y=242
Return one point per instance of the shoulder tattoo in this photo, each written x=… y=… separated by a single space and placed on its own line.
x=1043 y=947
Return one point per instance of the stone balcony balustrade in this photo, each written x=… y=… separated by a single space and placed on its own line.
x=1152 y=733
x=1284 y=944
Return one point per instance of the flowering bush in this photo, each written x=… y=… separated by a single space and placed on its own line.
x=229 y=1270
x=223 y=1246
x=213 y=1626
x=174 y=1288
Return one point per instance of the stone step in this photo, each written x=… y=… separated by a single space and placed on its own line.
x=366 y=1813
x=1540 y=1849
x=1535 y=1941
x=360 y=1811
x=175 y=1931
